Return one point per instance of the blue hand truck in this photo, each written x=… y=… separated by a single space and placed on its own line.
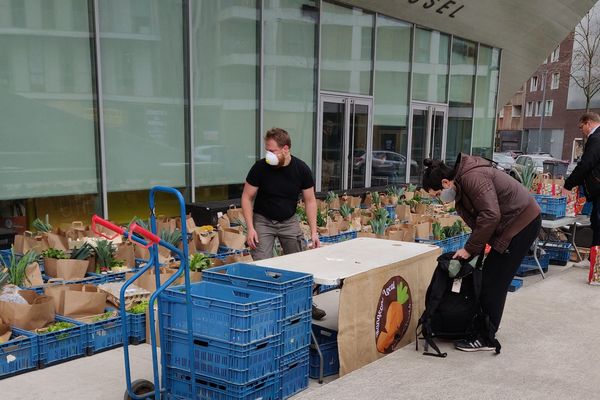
x=142 y=389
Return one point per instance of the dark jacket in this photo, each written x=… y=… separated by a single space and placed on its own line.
x=492 y=203
x=587 y=171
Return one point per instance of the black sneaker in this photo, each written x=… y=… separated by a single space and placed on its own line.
x=317 y=313
x=477 y=344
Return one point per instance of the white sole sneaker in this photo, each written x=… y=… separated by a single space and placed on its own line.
x=470 y=346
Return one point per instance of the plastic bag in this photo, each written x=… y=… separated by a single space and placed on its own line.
x=10 y=294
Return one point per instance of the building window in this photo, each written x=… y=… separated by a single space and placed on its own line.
x=538 y=109
x=534 y=84
x=555 y=80
x=529 y=109
x=549 y=107
x=501 y=113
x=555 y=54
x=516 y=111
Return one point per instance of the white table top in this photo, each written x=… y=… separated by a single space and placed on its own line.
x=557 y=223
x=332 y=263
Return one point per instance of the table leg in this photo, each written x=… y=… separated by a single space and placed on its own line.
x=573 y=230
x=535 y=257
x=316 y=346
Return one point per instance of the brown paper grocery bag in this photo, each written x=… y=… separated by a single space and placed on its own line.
x=232 y=238
x=206 y=241
x=190 y=224
x=5 y=332
x=66 y=269
x=409 y=232
x=148 y=279
x=77 y=300
x=420 y=208
x=223 y=221
x=37 y=313
x=33 y=275
x=403 y=212
x=165 y=223
x=235 y=215
x=27 y=241
x=126 y=252
x=56 y=241
x=423 y=230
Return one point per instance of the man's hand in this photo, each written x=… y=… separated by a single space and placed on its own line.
x=252 y=238
x=315 y=240
x=462 y=254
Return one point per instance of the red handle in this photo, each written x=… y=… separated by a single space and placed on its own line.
x=151 y=237
x=109 y=225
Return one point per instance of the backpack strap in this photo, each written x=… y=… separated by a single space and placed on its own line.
x=426 y=332
x=487 y=328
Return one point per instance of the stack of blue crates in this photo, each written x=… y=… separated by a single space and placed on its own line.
x=236 y=342
x=296 y=291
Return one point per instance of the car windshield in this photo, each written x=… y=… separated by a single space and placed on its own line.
x=503 y=158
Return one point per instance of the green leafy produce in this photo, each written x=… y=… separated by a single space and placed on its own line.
x=17 y=267
x=171 y=237
x=376 y=198
x=381 y=214
x=321 y=219
x=345 y=210
x=242 y=224
x=105 y=255
x=378 y=226
x=139 y=308
x=82 y=253
x=331 y=196
x=41 y=226
x=395 y=191
x=144 y=223
x=438 y=232
x=55 y=327
x=301 y=213
x=54 y=253
x=104 y=317
x=199 y=262
x=527 y=175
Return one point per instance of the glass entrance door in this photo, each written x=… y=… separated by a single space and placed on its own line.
x=428 y=138
x=344 y=141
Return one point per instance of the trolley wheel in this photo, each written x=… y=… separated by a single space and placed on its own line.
x=139 y=387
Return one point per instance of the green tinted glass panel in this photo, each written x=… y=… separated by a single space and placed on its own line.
x=46 y=100
x=486 y=90
x=430 y=69
x=142 y=84
x=289 y=72
x=225 y=60
x=346 y=49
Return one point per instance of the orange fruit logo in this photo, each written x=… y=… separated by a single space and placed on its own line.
x=392 y=317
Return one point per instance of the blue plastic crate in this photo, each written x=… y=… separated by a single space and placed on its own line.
x=215 y=359
x=529 y=265
x=102 y=335
x=179 y=385
x=56 y=347
x=341 y=237
x=391 y=211
x=327 y=288
x=110 y=276
x=587 y=208
x=5 y=256
x=558 y=252
x=224 y=312
x=137 y=328
x=552 y=207
x=515 y=285
x=19 y=354
x=294 y=373
x=89 y=279
x=295 y=333
x=450 y=244
x=327 y=340
x=295 y=287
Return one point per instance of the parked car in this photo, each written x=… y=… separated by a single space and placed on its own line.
x=514 y=153
x=504 y=161
x=531 y=159
x=384 y=163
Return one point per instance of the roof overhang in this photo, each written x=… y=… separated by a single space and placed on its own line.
x=526 y=31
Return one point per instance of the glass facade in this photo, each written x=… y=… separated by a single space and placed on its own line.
x=186 y=89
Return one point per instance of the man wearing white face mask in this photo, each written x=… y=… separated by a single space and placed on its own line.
x=274 y=184
x=500 y=213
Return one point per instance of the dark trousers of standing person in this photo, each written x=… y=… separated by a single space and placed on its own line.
x=595 y=221
x=499 y=270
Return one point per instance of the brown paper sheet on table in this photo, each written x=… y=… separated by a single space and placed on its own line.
x=66 y=269
x=77 y=300
x=37 y=313
x=360 y=300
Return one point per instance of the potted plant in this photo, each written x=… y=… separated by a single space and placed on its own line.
x=105 y=258
x=57 y=264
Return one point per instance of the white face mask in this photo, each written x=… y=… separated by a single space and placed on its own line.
x=271 y=158
x=448 y=195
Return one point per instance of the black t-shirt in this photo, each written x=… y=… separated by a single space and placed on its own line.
x=279 y=188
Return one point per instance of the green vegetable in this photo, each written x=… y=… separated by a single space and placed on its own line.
x=55 y=327
x=41 y=226
x=411 y=187
x=82 y=253
x=105 y=255
x=321 y=219
x=171 y=237
x=54 y=253
x=139 y=308
x=104 y=317
x=16 y=267
x=301 y=213
x=376 y=198
x=331 y=196
x=438 y=232
x=378 y=226
x=395 y=191
x=345 y=210
x=199 y=262
x=141 y=222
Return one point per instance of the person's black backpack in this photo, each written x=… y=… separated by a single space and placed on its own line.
x=452 y=307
